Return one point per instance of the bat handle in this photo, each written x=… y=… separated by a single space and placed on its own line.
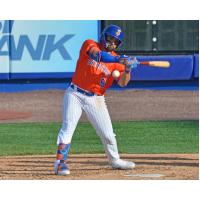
x=144 y=63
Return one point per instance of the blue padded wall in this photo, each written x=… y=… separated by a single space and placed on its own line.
x=196 y=65
x=181 y=68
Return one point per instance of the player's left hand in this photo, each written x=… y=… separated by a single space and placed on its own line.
x=129 y=62
x=132 y=62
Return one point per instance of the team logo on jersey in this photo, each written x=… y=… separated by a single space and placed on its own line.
x=100 y=66
x=118 y=32
x=102 y=82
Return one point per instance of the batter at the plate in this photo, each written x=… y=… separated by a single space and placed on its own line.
x=93 y=75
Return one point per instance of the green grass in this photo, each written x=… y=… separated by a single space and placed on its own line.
x=132 y=137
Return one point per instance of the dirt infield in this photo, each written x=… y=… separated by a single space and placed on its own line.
x=95 y=167
x=9 y=115
x=46 y=106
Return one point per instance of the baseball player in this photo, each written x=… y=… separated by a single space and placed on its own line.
x=93 y=75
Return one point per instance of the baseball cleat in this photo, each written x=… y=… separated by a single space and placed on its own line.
x=61 y=168
x=122 y=164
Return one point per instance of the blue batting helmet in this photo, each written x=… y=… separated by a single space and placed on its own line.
x=114 y=31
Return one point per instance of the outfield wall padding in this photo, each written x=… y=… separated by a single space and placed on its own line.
x=181 y=68
x=196 y=65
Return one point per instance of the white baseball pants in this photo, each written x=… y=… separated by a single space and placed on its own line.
x=97 y=113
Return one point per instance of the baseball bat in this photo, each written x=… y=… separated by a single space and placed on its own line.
x=164 y=64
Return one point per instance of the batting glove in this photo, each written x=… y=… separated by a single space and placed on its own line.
x=134 y=62
x=128 y=61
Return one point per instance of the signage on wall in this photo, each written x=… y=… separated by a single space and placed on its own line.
x=39 y=46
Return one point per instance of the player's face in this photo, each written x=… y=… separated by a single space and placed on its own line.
x=112 y=43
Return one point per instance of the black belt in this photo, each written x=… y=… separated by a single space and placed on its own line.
x=82 y=91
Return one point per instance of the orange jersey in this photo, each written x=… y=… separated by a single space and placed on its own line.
x=94 y=76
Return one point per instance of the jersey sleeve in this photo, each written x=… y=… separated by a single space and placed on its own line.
x=87 y=45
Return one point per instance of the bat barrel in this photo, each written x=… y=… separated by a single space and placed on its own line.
x=163 y=64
